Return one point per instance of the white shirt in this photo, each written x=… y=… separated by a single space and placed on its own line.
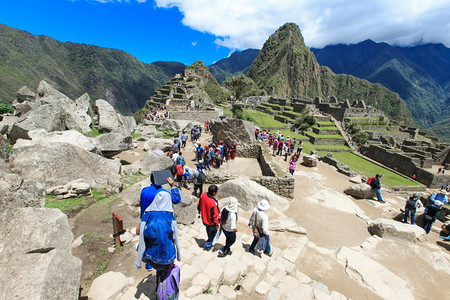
x=230 y=224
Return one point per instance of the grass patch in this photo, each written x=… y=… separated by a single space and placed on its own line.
x=325 y=136
x=129 y=180
x=326 y=128
x=326 y=123
x=263 y=119
x=94 y=132
x=135 y=135
x=66 y=204
x=291 y=134
x=367 y=168
x=332 y=147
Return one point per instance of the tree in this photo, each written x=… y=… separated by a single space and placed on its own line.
x=305 y=120
x=239 y=85
x=237 y=111
x=360 y=137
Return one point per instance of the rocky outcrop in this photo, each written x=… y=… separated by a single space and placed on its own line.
x=73 y=189
x=233 y=131
x=185 y=212
x=360 y=190
x=110 y=121
x=178 y=125
x=150 y=162
x=158 y=144
x=310 y=160
x=395 y=230
x=5 y=151
x=42 y=137
x=25 y=94
x=36 y=260
x=60 y=163
x=372 y=275
x=250 y=193
x=112 y=143
x=16 y=192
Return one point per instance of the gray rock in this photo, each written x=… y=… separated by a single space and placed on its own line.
x=110 y=121
x=395 y=230
x=158 y=144
x=48 y=116
x=5 y=151
x=178 y=125
x=310 y=160
x=42 y=137
x=21 y=108
x=41 y=236
x=150 y=162
x=78 y=110
x=286 y=224
x=360 y=190
x=132 y=194
x=112 y=143
x=3 y=128
x=249 y=193
x=233 y=131
x=16 y=192
x=356 y=179
x=25 y=94
x=46 y=94
x=60 y=163
x=185 y=212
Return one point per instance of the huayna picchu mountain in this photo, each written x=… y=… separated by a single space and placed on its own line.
x=75 y=69
x=285 y=67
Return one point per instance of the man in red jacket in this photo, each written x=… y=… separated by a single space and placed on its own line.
x=209 y=210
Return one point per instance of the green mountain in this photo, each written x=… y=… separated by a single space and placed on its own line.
x=236 y=64
x=419 y=74
x=74 y=69
x=285 y=67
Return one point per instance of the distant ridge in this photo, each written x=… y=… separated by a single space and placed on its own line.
x=285 y=67
x=74 y=69
x=236 y=64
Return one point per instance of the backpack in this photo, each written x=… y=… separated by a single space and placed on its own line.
x=411 y=203
x=369 y=180
x=201 y=177
x=158 y=236
x=179 y=169
x=169 y=284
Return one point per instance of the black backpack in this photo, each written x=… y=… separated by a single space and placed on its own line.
x=201 y=177
x=411 y=203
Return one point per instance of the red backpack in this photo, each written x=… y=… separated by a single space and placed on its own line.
x=369 y=181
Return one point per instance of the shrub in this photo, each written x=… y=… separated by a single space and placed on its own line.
x=360 y=137
x=6 y=109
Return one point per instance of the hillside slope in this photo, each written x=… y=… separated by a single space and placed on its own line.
x=285 y=67
x=74 y=69
x=236 y=64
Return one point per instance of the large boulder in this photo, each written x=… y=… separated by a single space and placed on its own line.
x=185 y=212
x=21 y=108
x=395 y=230
x=25 y=94
x=16 y=192
x=110 y=121
x=40 y=136
x=48 y=116
x=146 y=131
x=36 y=260
x=5 y=151
x=372 y=275
x=150 y=162
x=158 y=144
x=60 y=163
x=360 y=190
x=310 y=160
x=178 y=125
x=79 y=111
x=113 y=143
x=249 y=193
x=233 y=131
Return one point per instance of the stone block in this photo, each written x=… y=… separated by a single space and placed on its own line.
x=302 y=277
x=250 y=282
x=227 y=292
x=194 y=291
x=231 y=274
x=262 y=288
x=202 y=281
x=214 y=272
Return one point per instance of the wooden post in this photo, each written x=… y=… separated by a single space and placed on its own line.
x=118 y=228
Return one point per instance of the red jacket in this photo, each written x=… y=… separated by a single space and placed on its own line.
x=209 y=209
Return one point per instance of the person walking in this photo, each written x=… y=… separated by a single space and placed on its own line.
x=198 y=176
x=208 y=208
x=293 y=164
x=376 y=185
x=228 y=218
x=259 y=221
x=184 y=138
x=412 y=203
x=441 y=196
x=431 y=213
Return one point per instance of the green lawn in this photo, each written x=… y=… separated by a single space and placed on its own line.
x=332 y=147
x=326 y=128
x=325 y=136
x=326 y=123
x=263 y=119
x=367 y=168
x=297 y=136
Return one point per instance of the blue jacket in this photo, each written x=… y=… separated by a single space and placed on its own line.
x=375 y=183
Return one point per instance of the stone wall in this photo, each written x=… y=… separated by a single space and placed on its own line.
x=280 y=186
x=394 y=134
x=341 y=168
x=200 y=116
x=324 y=141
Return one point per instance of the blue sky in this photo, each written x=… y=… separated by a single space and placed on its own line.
x=209 y=30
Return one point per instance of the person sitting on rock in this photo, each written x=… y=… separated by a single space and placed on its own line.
x=259 y=221
x=228 y=218
x=431 y=213
x=412 y=203
x=376 y=185
x=441 y=196
x=209 y=210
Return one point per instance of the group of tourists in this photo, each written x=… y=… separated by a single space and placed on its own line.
x=155 y=115
x=213 y=155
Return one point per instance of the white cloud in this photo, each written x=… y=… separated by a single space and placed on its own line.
x=242 y=24
x=194 y=44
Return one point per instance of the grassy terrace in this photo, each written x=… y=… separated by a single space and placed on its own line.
x=365 y=167
x=263 y=119
x=321 y=148
x=326 y=123
x=325 y=136
x=326 y=128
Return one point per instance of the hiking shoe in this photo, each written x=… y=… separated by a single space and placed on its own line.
x=413 y=223
x=221 y=254
x=382 y=201
x=269 y=254
x=228 y=252
x=148 y=267
x=208 y=248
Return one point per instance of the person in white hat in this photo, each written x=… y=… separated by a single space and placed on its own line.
x=441 y=196
x=259 y=221
x=228 y=218
x=431 y=213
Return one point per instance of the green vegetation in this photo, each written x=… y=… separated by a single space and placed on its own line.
x=263 y=119
x=305 y=120
x=6 y=109
x=242 y=86
x=72 y=204
x=94 y=132
x=215 y=92
x=135 y=135
x=360 y=137
x=329 y=123
x=325 y=136
x=367 y=168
